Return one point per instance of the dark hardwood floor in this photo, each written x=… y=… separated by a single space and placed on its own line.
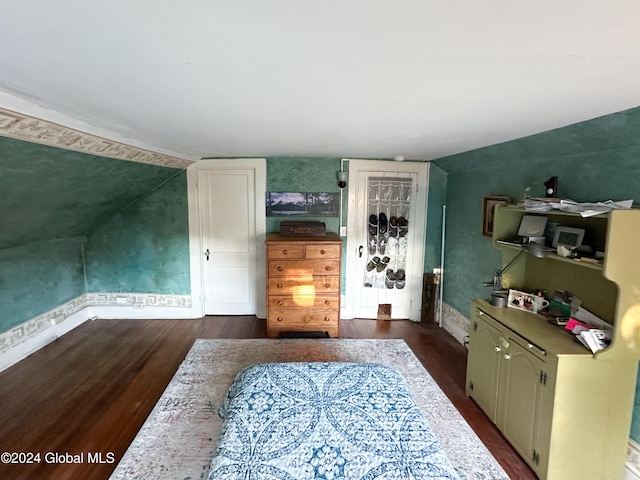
x=89 y=392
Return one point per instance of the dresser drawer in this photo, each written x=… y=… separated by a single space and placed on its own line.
x=303 y=317
x=322 y=251
x=285 y=251
x=304 y=301
x=281 y=285
x=302 y=268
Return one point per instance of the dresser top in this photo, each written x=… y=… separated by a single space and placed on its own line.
x=276 y=237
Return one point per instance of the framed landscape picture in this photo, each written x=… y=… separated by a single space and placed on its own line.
x=302 y=203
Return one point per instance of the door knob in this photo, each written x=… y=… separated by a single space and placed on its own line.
x=206 y=254
x=360 y=251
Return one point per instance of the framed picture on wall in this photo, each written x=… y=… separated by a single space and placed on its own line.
x=488 y=208
x=303 y=203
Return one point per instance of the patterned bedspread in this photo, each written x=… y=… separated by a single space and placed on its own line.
x=298 y=421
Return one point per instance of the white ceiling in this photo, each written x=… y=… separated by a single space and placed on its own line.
x=339 y=78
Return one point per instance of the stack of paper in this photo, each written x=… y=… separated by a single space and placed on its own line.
x=595 y=339
x=585 y=209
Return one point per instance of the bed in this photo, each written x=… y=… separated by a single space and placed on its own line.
x=337 y=420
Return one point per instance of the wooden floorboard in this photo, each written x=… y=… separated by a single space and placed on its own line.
x=91 y=390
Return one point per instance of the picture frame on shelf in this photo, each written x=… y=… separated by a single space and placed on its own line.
x=489 y=204
x=567 y=236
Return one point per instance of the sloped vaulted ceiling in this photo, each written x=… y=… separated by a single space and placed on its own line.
x=50 y=193
x=337 y=78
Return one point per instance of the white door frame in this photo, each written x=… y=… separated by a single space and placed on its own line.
x=196 y=254
x=355 y=264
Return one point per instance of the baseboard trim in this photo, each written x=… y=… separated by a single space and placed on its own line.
x=140 y=306
x=47 y=330
x=455 y=323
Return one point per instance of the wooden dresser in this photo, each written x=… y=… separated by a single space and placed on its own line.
x=303 y=284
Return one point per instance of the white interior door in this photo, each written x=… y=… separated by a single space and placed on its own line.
x=385 y=237
x=231 y=236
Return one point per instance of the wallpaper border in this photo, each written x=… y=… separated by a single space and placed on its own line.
x=31 y=129
x=24 y=331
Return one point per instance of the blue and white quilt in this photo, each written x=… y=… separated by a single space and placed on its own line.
x=299 y=421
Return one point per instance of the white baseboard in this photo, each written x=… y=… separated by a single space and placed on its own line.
x=22 y=348
x=458 y=333
x=455 y=323
x=140 y=306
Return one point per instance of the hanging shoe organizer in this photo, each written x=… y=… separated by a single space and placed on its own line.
x=388 y=201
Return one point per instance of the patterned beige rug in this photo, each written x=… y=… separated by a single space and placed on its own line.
x=179 y=436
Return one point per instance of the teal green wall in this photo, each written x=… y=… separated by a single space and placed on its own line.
x=594 y=160
x=312 y=174
x=145 y=247
x=53 y=199
x=50 y=193
x=39 y=276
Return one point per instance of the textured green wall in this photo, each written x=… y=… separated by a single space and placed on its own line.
x=144 y=248
x=595 y=160
x=50 y=193
x=52 y=199
x=587 y=171
x=292 y=174
x=37 y=277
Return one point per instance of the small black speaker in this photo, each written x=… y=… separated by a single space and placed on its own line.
x=551 y=187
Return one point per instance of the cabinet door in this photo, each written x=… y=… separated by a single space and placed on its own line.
x=522 y=383
x=485 y=350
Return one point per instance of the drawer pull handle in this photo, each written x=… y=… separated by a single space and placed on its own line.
x=321 y=252
x=498 y=349
x=507 y=356
x=279 y=302
x=327 y=268
x=327 y=302
x=327 y=285
x=279 y=319
x=326 y=319
x=285 y=252
x=279 y=285
x=279 y=268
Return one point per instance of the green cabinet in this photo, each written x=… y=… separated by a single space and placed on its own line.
x=484 y=364
x=523 y=379
x=565 y=410
x=507 y=380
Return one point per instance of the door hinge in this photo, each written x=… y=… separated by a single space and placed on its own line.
x=475 y=326
x=543 y=377
x=536 y=457
x=471 y=386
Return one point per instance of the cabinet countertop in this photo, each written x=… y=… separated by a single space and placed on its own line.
x=533 y=328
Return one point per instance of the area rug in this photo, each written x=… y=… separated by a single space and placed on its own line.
x=179 y=437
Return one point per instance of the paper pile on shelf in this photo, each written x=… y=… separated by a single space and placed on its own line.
x=595 y=339
x=585 y=209
x=590 y=330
